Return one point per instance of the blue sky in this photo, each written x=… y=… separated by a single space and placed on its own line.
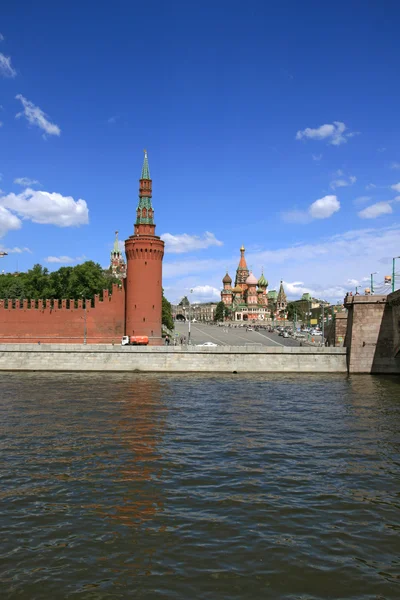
x=273 y=125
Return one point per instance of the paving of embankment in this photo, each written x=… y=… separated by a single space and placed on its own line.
x=230 y=336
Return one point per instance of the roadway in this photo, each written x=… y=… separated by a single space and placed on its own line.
x=229 y=336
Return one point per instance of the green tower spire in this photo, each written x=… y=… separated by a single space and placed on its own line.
x=144 y=211
x=145 y=168
x=116 y=248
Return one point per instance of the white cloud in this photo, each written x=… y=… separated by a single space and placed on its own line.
x=396 y=187
x=381 y=149
x=376 y=210
x=25 y=181
x=395 y=165
x=6 y=68
x=35 y=116
x=1 y=37
x=1 y=123
x=63 y=259
x=47 y=208
x=112 y=120
x=204 y=293
x=178 y=244
x=317 y=157
x=333 y=133
x=336 y=183
x=15 y=250
x=8 y=221
x=324 y=207
x=370 y=186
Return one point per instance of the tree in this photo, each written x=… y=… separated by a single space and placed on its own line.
x=219 y=312
x=166 y=315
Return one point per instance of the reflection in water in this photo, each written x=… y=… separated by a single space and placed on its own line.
x=173 y=486
x=140 y=426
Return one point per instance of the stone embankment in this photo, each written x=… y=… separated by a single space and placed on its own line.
x=222 y=359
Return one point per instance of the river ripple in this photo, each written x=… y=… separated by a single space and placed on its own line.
x=187 y=486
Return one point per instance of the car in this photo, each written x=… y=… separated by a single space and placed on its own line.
x=249 y=329
x=285 y=334
x=208 y=344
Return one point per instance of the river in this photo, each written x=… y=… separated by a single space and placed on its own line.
x=198 y=486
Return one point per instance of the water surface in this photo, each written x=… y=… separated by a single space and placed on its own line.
x=174 y=486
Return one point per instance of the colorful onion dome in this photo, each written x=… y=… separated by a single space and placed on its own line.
x=237 y=289
x=227 y=279
x=251 y=280
x=262 y=282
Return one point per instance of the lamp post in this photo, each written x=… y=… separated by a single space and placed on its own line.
x=190 y=306
x=394 y=273
x=372 y=281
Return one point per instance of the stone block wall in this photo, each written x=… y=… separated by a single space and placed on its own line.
x=63 y=322
x=336 y=334
x=369 y=336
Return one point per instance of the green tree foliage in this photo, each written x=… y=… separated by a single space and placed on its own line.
x=219 y=312
x=166 y=316
x=85 y=280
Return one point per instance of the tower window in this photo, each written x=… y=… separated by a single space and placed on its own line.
x=144 y=318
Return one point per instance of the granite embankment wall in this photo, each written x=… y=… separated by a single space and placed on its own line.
x=64 y=321
x=223 y=359
x=371 y=334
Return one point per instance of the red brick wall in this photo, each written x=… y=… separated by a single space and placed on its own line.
x=52 y=321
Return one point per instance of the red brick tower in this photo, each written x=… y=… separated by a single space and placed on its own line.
x=144 y=253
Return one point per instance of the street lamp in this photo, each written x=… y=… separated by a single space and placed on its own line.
x=190 y=306
x=372 y=280
x=394 y=272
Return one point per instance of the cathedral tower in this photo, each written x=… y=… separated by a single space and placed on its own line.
x=144 y=254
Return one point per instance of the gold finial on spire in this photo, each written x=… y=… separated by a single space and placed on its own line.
x=242 y=249
x=145 y=151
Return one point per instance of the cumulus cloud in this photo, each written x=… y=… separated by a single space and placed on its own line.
x=8 y=221
x=35 y=116
x=323 y=208
x=333 y=133
x=26 y=182
x=362 y=199
x=63 y=259
x=396 y=187
x=47 y=208
x=181 y=243
x=204 y=293
x=376 y=210
x=6 y=68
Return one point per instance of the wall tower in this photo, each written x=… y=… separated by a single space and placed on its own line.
x=144 y=254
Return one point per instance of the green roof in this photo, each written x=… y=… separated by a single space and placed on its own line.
x=145 y=168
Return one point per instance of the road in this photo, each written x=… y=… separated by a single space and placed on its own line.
x=230 y=336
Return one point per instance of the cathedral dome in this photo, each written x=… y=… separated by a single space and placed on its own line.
x=237 y=289
x=262 y=282
x=251 y=280
x=227 y=279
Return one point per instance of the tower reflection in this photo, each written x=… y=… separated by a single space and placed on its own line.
x=140 y=431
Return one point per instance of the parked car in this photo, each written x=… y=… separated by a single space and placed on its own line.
x=249 y=329
x=285 y=334
x=208 y=344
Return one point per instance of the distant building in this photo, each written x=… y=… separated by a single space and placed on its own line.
x=248 y=299
x=203 y=311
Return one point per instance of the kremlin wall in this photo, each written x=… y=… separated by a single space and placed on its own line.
x=134 y=308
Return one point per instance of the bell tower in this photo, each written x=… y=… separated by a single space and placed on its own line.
x=144 y=254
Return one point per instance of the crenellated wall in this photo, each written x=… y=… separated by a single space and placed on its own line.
x=64 y=321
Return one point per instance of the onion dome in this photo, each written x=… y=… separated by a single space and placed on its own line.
x=227 y=279
x=237 y=289
x=262 y=282
x=251 y=280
